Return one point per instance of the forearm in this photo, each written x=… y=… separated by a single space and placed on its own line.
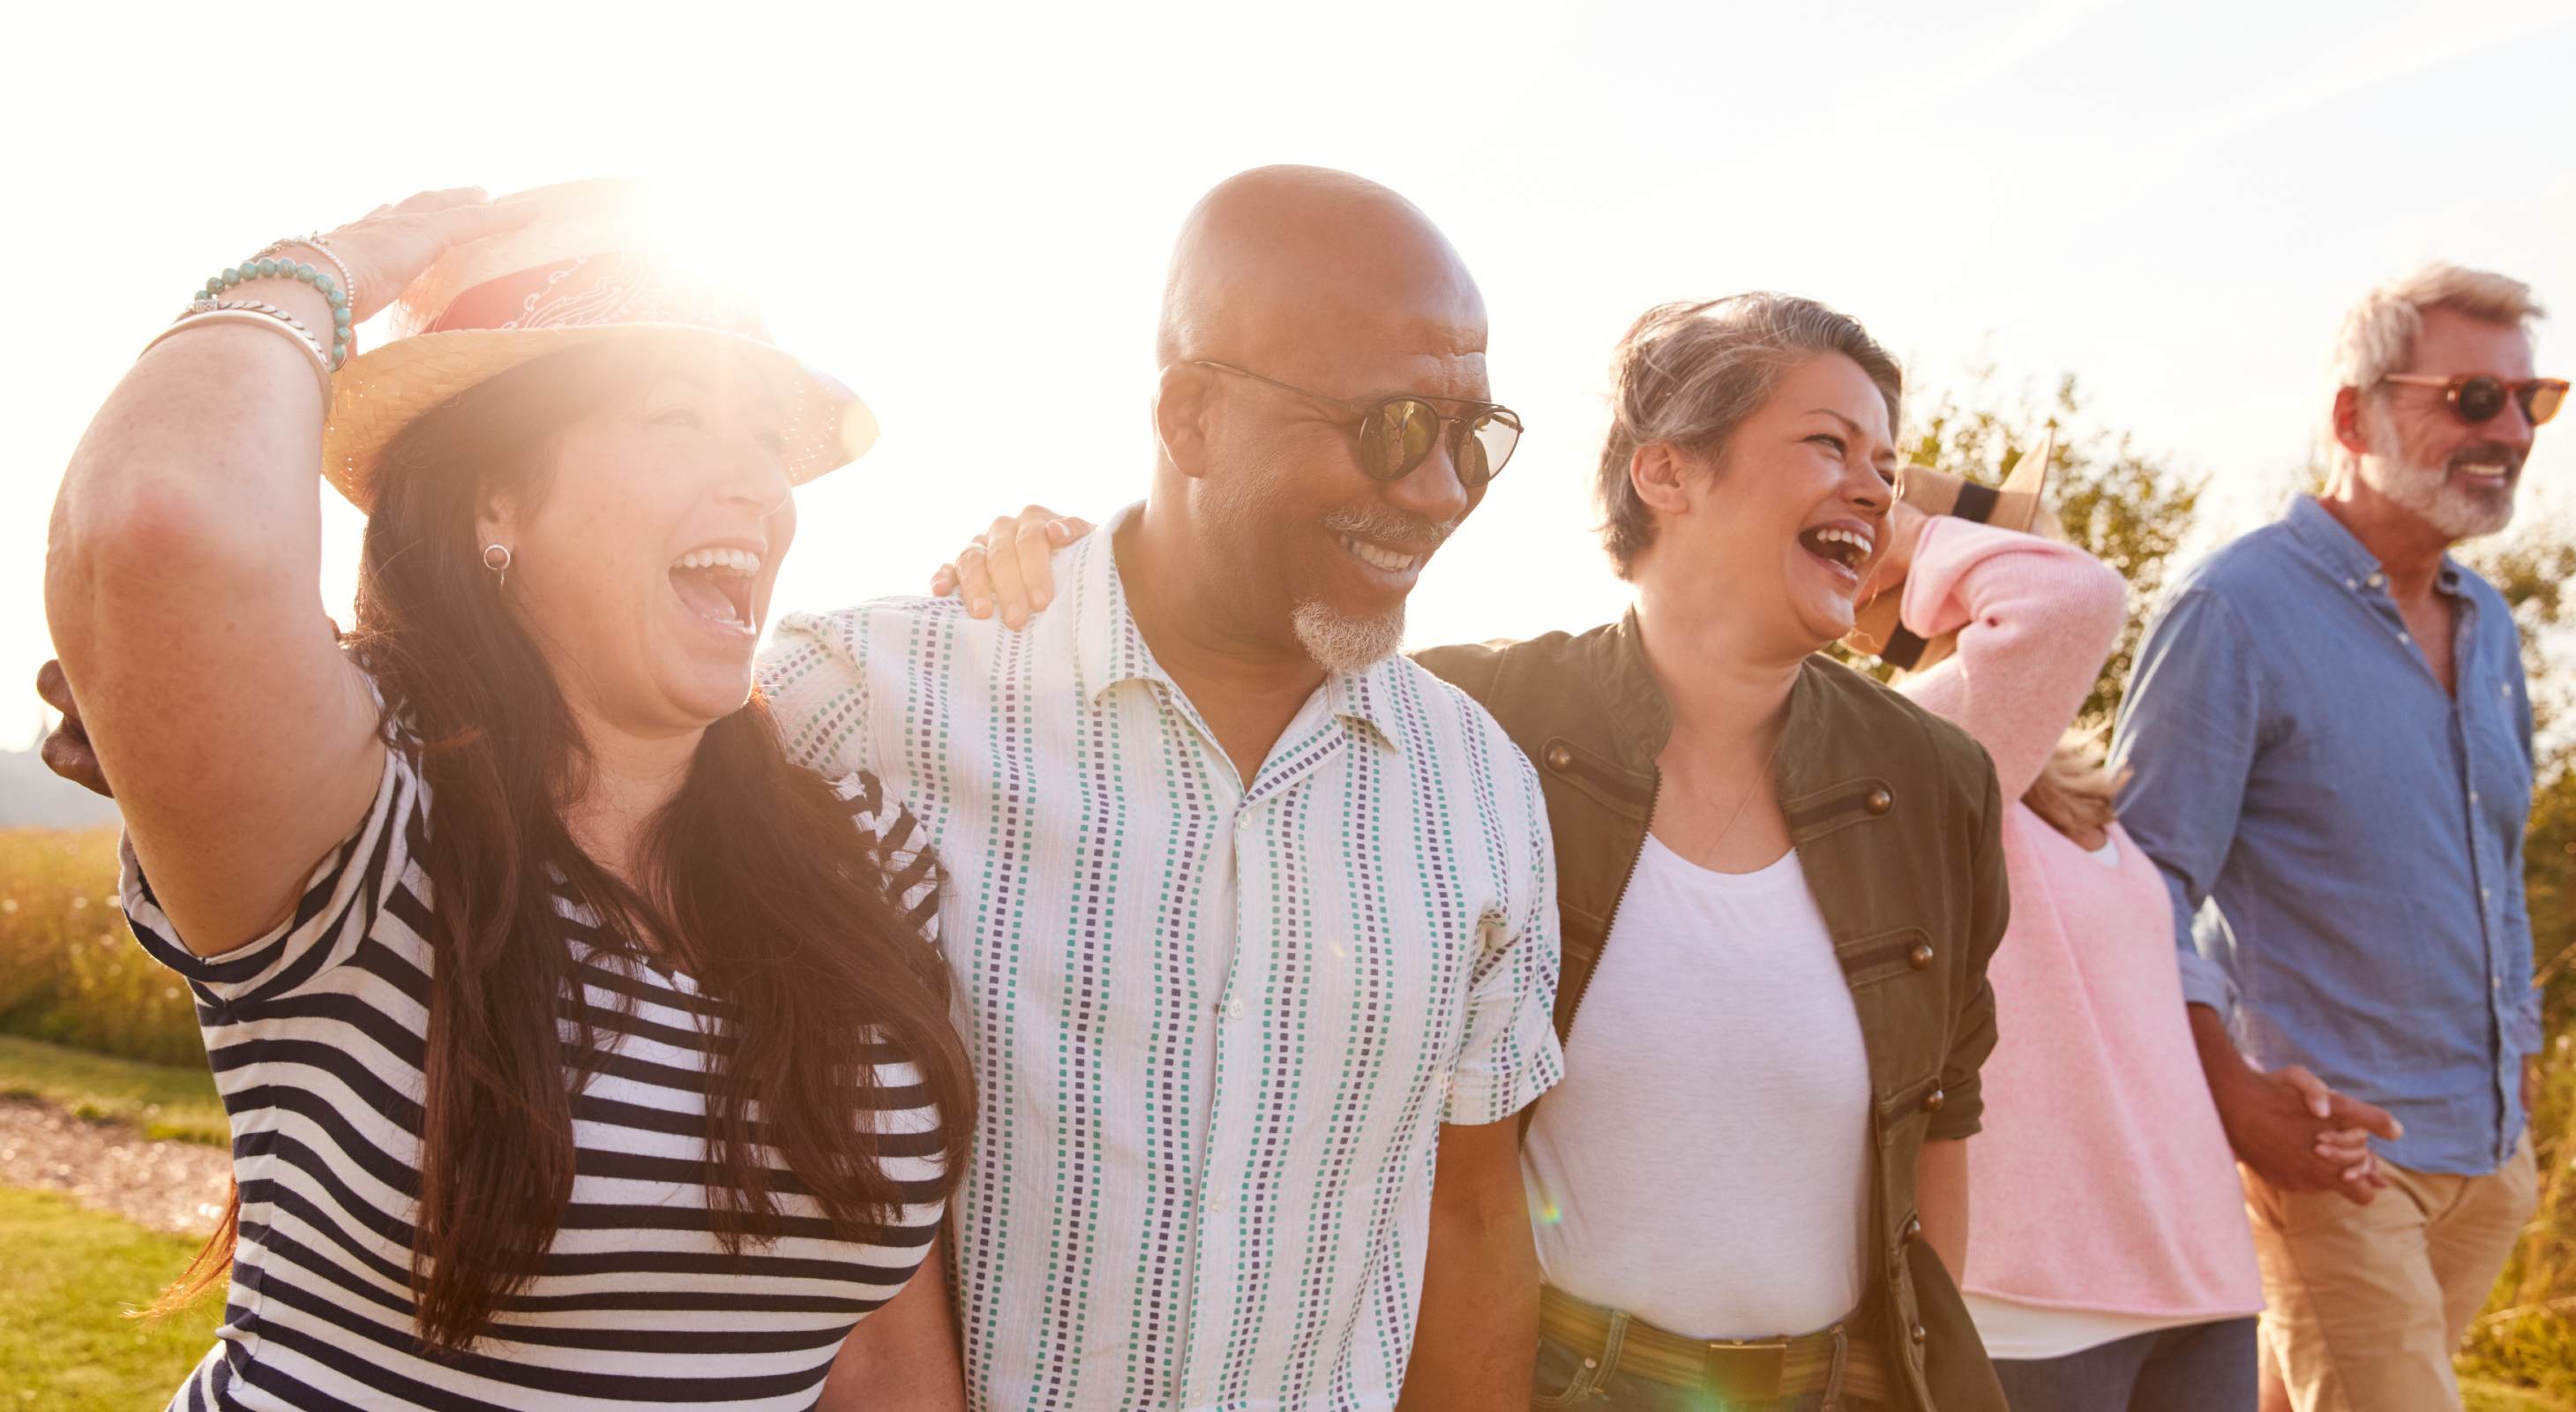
x=183 y=593
x=1941 y=1201
x=1476 y=1340
x=903 y=1357
x=2034 y=621
x=2221 y=1063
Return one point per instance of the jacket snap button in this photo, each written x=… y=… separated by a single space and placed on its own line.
x=1559 y=758
x=1932 y=1101
x=1920 y=958
x=1916 y=1333
x=1879 y=801
x=1913 y=1229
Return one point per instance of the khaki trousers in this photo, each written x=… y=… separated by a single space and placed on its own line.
x=2363 y=1305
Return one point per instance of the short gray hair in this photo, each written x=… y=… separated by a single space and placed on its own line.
x=1690 y=373
x=2378 y=334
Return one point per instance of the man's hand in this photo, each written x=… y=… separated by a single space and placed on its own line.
x=1006 y=566
x=66 y=751
x=2294 y=1131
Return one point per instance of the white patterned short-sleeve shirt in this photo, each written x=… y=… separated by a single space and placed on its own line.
x=1217 y=1027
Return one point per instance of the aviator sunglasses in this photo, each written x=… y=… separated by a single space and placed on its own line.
x=2476 y=397
x=1397 y=433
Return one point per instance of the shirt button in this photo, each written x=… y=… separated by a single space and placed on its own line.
x=1878 y=801
x=2375 y=580
x=1559 y=758
x=1234 y=1009
x=1932 y=1101
x=2473 y=796
x=1916 y=1333
x=2401 y=637
x=1216 y=1203
x=1920 y=958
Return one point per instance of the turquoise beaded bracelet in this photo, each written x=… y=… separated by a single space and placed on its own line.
x=321 y=280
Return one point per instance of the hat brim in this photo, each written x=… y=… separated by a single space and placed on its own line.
x=381 y=391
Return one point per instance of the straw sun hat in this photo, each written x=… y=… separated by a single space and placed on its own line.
x=584 y=270
x=2018 y=504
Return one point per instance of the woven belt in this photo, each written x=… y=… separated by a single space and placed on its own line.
x=1745 y=1370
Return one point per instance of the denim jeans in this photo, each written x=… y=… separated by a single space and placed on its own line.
x=1564 y=1382
x=2195 y=1368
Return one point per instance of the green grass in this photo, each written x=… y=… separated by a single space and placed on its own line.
x=163 y=1100
x=2479 y=1396
x=67 y=1278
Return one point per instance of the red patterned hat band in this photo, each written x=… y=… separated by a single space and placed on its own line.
x=600 y=289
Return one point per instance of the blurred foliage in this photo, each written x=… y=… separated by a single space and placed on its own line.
x=2528 y=1332
x=70 y=972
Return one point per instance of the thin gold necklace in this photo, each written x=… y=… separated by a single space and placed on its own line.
x=1760 y=778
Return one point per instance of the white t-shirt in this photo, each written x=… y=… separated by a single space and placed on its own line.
x=1704 y=1165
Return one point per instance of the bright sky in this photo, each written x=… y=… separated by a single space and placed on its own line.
x=965 y=214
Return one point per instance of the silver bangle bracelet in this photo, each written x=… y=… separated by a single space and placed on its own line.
x=266 y=316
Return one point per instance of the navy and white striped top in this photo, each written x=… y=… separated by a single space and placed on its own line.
x=316 y=1036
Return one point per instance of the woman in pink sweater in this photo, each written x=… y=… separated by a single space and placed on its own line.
x=2110 y=1268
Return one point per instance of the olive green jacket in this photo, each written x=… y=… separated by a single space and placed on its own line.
x=1896 y=818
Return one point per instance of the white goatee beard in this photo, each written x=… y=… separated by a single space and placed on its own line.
x=1342 y=644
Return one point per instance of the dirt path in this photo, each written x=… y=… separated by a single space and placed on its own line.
x=169 y=1186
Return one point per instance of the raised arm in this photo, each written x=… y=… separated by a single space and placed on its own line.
x=182 y=588
x=2035 y=620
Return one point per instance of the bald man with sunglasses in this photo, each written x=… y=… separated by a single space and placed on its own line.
x=2330 y=745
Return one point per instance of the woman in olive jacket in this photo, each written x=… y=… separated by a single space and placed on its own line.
x=1712 y=1093
x=1780 y=884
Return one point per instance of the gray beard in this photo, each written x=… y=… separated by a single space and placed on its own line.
x=1343 y=645
x=2455 y=510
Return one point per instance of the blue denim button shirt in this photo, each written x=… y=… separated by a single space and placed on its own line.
x=2343 y=840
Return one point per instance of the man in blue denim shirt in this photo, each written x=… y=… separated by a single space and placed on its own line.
x=2330 y=740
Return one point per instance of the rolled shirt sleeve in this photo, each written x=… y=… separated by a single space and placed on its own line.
x=1973 y=1033
x=2186 y=738
x=1510 y=1054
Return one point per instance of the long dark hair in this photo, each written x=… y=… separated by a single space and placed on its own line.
x=760 y=886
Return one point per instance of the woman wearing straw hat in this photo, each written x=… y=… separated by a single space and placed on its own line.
x=2112 y=1270
x=580 y=1051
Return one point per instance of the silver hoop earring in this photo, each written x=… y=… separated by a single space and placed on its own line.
x=496 y=557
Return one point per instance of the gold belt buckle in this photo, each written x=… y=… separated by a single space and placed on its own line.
x=1745 y=1370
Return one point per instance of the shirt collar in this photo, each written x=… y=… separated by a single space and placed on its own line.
x=1110 y=649
x=2344 y=555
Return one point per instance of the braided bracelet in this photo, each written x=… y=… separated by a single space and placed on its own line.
x=249 y=270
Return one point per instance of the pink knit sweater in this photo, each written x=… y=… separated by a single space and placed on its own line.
x=2102 y=1180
